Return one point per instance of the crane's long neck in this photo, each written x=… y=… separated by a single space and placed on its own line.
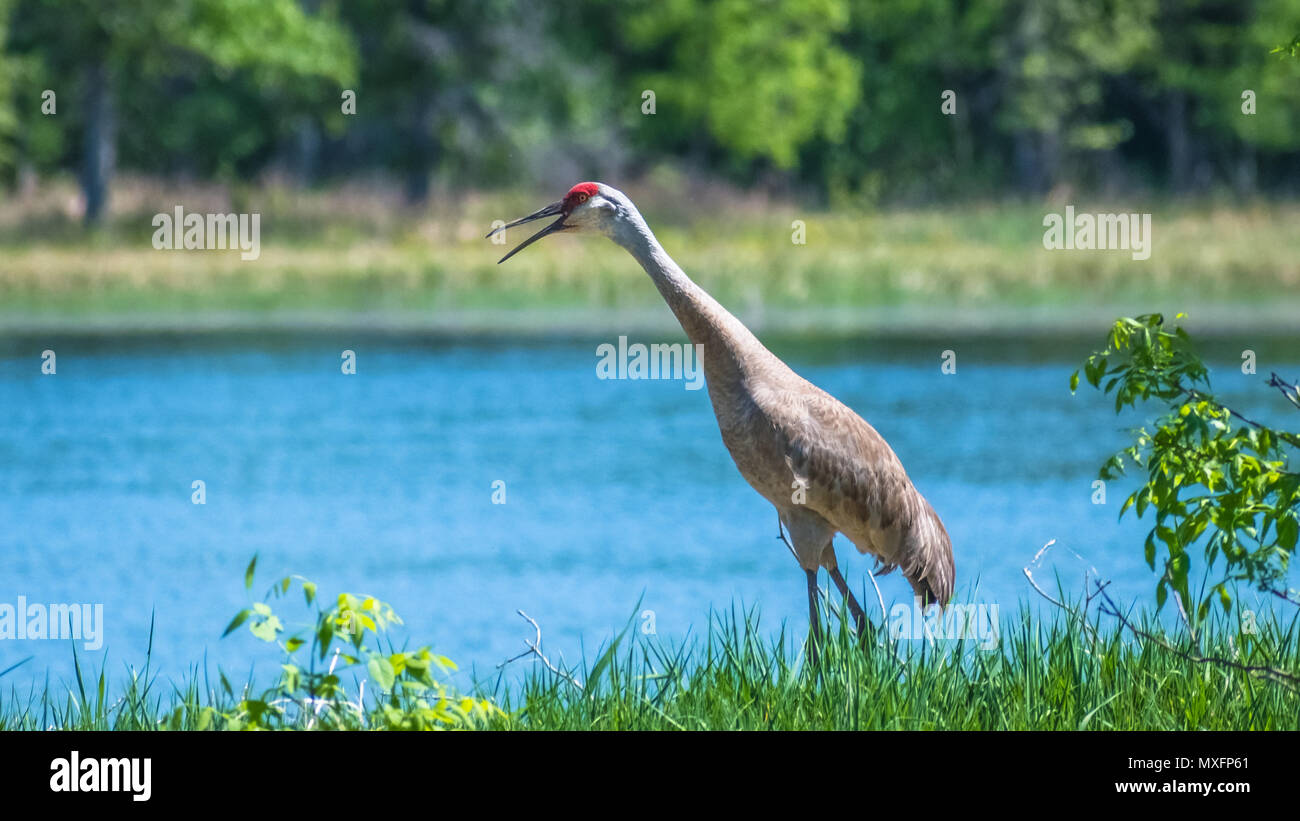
x=705 y=321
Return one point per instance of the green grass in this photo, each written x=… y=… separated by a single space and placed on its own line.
x=347 y=251
x=1047 y=676
x=1051 y=674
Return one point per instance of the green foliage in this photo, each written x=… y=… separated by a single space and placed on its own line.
x=765 y=78
x=405 y=692
x=201 y=86
x=1208 y=63
x=1292 y=48
x=8 y=122
x=1062 y=53
x=275 y=39
x=1213 y=478
x=842 y=96
x=1059 y=673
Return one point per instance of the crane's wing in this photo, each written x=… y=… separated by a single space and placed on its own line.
x=854 y=479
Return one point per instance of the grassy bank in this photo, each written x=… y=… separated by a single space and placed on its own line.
x=328 y=256
x=1046 y=675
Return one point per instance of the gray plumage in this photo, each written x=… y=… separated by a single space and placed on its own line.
x=823 y=467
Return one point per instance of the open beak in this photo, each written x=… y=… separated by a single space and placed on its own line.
x=549 y=211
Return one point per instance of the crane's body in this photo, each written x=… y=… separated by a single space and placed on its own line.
x=823 y=467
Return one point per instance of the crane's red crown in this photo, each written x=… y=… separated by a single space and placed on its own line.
x=579 y=194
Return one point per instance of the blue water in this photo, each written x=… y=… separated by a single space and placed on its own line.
x=382 y=483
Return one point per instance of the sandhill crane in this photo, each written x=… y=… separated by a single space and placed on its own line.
x=822 y=466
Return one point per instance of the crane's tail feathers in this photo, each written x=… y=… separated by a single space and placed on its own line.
x=932 y=572
x=928 y=594
x=936 y=591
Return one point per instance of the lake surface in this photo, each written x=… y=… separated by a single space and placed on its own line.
x=382 y=482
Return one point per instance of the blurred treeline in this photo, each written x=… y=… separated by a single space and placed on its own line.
x=838 y=100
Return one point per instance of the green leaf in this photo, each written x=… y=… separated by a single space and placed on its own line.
x=248 y=574
x=292 y=677
x=381 y=671
x=325 y=636
x=240 y=618
x=266 y=629
x=1288 y=529
x=607 y=657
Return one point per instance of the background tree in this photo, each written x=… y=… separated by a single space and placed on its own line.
x=8 y=120
x=115 y=59
x=759 y=82
x=839 y=98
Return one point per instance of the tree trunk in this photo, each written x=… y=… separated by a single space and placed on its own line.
x=99 y=153
x=422 y=150
x=416 y=189
x=306 y=152
x=1247 y=176
x=1178 y=142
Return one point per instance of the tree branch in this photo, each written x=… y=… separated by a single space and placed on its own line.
x=535 y=649
x=1109 y=608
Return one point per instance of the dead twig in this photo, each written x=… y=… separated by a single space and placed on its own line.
x=1083 y=616
x=1291 y=392
x=1260 y=671
x=1109 y=608
x=535 y=649
x=1289 y=595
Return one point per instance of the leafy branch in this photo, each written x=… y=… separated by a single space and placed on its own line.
x=1214 y=477
x=1292 y=48
x=405 y=694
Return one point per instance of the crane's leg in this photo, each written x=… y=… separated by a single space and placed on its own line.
x=809 y=536
x=859 y=617
x=814 y=623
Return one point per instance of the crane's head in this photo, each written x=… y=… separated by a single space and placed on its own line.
x=589 y=206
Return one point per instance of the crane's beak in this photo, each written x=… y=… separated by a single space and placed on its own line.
x=549 y=211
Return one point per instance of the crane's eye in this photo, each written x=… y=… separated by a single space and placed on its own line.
x=582 y=197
